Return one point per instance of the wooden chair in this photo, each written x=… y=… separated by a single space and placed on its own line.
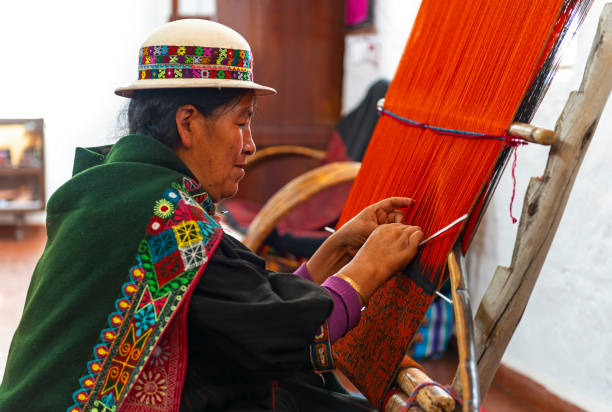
x=483 y=339
x=292 y=195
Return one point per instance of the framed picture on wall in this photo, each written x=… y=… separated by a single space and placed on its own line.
x=22 y=172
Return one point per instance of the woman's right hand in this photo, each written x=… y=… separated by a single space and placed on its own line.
x=387 y=250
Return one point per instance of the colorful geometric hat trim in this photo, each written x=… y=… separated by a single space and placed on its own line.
x=194 y=62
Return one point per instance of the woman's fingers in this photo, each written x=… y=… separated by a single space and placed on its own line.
x=387 y=210
x=391 y=203
x=395 y=217
x=416 y=237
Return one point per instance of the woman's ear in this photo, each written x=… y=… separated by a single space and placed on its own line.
x=186 y=123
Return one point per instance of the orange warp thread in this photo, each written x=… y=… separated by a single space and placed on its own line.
x=472 y=77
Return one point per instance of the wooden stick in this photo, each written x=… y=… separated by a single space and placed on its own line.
x=465 y=333
x=532 y=134
x=430 y=398
x=506 y=298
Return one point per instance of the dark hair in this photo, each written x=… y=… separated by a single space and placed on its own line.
x=153 y=112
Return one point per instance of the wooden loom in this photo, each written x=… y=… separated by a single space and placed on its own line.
x=507 y=296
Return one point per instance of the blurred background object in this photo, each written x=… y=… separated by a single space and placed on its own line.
x=22 y=187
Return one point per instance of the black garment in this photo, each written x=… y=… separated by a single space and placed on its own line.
x=298 y=245
x=357 y=127
x=248 y=327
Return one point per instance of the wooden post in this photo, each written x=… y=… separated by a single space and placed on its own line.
x=506 y=297
x=466 y=380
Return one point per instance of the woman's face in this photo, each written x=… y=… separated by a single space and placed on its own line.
x=220 y=145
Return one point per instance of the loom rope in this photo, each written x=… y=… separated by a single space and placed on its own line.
x=509 y=140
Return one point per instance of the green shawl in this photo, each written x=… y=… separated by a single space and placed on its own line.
x=129 y=236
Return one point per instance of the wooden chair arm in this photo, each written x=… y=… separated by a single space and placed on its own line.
x=285 y=150
x=293 y=194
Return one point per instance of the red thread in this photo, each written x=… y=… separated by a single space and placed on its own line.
x=274 y=386
x=513 y=185
x=513 y=141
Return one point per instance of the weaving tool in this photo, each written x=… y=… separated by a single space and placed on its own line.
x=492 y=74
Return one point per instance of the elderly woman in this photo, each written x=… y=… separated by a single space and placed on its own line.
x=141 y=302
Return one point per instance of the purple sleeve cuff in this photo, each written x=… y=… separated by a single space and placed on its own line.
x=302 y=272
x=347 y=308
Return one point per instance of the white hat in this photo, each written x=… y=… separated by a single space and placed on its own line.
x=194 y=53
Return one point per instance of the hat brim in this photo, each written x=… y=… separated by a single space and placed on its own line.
x=150 y=84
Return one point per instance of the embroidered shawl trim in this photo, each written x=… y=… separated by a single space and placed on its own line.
x=140 y=360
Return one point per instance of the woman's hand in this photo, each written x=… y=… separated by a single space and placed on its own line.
x=387 y=251
x=340 y=247
x=352 y=235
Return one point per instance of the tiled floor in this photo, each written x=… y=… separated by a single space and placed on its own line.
x=17 y=262
x=18 y=259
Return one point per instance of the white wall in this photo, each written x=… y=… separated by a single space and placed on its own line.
x=61 y=60
x=564 y=338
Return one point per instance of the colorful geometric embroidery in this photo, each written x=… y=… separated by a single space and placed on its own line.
x=186 y=233
x=193 y=255
x=124 y=361
x=168 y=261
x=321 y=355
x=151 y=388
x=163 y=209
x=145 y=318
x=192 y=62
x=158 y=304
x=162 y=244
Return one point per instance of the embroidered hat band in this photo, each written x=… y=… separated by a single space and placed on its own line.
x=194 y=62
x=194 y=53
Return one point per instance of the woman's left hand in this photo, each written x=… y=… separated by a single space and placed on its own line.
x=353 y=234
x=340 y=247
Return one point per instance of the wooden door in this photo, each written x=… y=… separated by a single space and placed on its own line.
x=298 y=48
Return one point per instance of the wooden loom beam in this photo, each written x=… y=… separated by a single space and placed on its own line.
x=429 y=398
x=532 y=133
x=508 y=293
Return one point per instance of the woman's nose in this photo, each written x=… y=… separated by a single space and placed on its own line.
x=249 y=147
